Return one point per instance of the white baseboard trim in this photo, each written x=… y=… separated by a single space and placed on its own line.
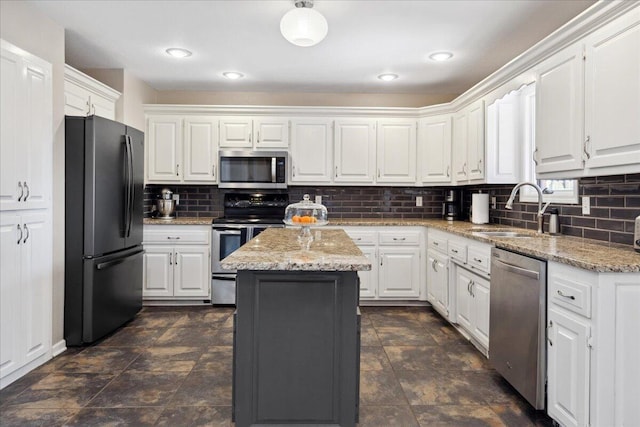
x=58 y=348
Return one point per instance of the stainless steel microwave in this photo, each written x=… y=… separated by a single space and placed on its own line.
x=253 y=169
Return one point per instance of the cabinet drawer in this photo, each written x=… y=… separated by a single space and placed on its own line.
x=173 y=235
x=571 y=294
x=399 y=238
x=438 y=242
x=362 y=238
x=479 y=258
x=457 y=250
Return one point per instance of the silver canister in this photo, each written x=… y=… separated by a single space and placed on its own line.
x=636 y=235
x=554 y=221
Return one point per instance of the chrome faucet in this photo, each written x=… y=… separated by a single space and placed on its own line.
x=541 y=209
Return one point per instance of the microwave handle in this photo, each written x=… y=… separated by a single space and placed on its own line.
x=273 y=169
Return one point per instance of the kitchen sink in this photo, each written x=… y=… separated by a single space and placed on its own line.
x=505 y=234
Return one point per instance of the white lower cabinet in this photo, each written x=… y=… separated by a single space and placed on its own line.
x=396 y=267
x=177 y=270
x=593 y=349
x=472 y=304
x=25 y=296
x=438 y=281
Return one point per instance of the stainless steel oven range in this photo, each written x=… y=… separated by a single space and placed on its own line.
x=245 y=216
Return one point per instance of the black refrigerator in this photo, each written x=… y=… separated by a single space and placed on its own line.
x=104 y=173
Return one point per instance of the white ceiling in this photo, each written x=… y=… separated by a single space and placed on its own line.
x=366 y=38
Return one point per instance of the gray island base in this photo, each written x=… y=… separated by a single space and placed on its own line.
x=297 y=331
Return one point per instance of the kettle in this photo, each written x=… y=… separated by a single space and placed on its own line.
x=165 y=205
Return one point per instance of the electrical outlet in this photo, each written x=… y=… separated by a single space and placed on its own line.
x=494 y=203
x=319 y=200
x=419 y=201
x=176 y=197
x=586 y=205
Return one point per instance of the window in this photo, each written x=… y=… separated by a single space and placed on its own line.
x=564 y=190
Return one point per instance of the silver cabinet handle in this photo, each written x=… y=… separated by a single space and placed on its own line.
x=175 y=259
x=336 y=171
x=173 y=238
x=586 y=151
x=399 y=239
x=178 y=169
x=436 y=244
x=480 y=165
x=19 y=238
x=89 y=106
x=472 y=285
x=433 y=265
x=571 y=297
x=21 y=190
x=27 y=230
x=293 y=170
x=535 y=155
x=464 y=168
x=213 y=171
x=171 y=258
x=94 y=109
x=356 y=238
x=469 y=286
x=455 y=251
x=549 y=335
x=448 y=167
x=381 y=258
x=478 y=260
x=258 y=138
x=28 y=192
x=378 y=173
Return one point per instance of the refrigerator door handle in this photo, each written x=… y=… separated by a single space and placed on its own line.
x=127 y=188
x=107 y=264
x=131 y=186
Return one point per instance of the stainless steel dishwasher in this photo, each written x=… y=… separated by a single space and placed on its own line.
x=517 y=346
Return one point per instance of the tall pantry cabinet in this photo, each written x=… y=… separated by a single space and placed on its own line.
x=26 y=136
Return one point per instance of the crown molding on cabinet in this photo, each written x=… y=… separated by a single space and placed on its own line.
x=513 y=75
x=89 y=83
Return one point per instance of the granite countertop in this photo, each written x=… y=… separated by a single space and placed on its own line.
x=182 y=220
x=587 y=254
x=278 y=249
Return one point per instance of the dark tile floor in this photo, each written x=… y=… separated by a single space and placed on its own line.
x=172 y=367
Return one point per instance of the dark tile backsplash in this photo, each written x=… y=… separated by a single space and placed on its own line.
x=614 y=206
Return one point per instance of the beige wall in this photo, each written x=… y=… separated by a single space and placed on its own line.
x=302 y=99
x=134 y=92
x=29 y=29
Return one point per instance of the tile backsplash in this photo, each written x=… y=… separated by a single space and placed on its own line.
x=615 y=204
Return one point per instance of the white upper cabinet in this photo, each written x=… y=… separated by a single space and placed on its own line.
x=355 y=151
x=559 y=112
x=86 y=96
x=311 y=150
x=434 y=150
x=256 y=133
x=612 y=96
x=396 y=151
x=200 y=149
x=26 y=131
x=164 y=149
x=182 y=149
x=468 y=144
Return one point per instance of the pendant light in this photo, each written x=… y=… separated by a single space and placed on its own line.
x=304 y=26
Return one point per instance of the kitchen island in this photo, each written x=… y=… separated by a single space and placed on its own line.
x=297 y=329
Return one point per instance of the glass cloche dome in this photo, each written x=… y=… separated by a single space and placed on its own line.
x=306 y=213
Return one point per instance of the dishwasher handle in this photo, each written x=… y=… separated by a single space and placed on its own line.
x=518 y=270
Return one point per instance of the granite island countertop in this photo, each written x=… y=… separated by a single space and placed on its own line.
x=182 y=220
x=278 y=249
x=593 y=255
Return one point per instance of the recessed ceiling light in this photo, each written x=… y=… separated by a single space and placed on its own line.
x=441 y=56
x=233 y=75
x=178 y=52
x=388 y=77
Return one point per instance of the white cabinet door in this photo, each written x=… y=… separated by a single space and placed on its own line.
x=460 y=170
x=464 y=300
x=480 y=293
x=559 y=111
x=612 y=94
x=38 y=141
x=355 y=151
x=475 y=141
x=396 y=151
x=438 y=282
x=10 y=293
x=236 y=132
x=164 y=152
x=200 y=149
x=399 y=272
x=76 y=100
x=311 y=150
x=271 y=133
x=157 y=270
x=369 y=279
x=434 y=149
x=102 y=107
x=26 y=132
x=36 y=281
x=192 y=271
x=568 y=369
